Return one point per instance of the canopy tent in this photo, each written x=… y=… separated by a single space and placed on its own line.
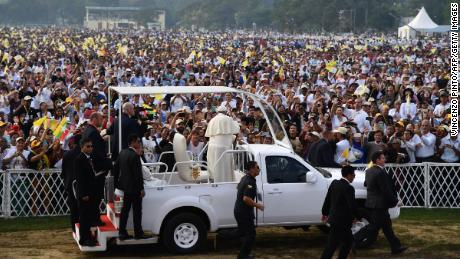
x=422 y=21
x=421 y=24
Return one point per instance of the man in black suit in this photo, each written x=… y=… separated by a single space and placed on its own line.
x=321 y=153
x=86 y=190
x=131 y=182
x=129 y=126
x=102 y=164
x=339 y=210
x=68 y=176
x=381 y=196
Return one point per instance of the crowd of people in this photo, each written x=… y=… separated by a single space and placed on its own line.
x=341 y=97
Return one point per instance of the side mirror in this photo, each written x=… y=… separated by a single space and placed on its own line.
x=311 y=177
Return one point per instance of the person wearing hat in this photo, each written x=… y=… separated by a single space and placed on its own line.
x=16 y=158
x=220 y=132
x=441 y=109
x=342 y=145
x=26 y=115
x=38 y=157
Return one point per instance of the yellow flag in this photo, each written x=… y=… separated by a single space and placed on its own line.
x=221 y=60
x=277 y=48
x=18 y=58
x=345 y=153
x=6 y=43
x=199 y=54
x=39 y=122
x=34 y=46
x=331 y=65
x=281 y=74
x=61 y=48
x=5 y=56
x=245 y=63
x=60 y=127
x=281 y=58
x=433 y=50
x=371 y=164
x=123 y=50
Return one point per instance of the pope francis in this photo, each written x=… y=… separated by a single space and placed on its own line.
x=221 y=130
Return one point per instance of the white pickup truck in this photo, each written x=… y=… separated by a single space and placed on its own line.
x=181 y=213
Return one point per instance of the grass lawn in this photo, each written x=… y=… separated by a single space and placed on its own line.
x=429 y=233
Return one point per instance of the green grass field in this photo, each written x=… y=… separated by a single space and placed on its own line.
x=429 y=233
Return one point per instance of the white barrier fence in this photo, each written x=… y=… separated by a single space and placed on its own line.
x=41 y=193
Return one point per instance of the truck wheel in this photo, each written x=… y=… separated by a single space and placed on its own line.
x=184 y=233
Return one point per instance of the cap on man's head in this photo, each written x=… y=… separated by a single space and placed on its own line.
x=27 y=98
x=221 y=109
x=315 y=133
x=179 y=121
x=341 y=130
x=20 y=139
x=36 y=143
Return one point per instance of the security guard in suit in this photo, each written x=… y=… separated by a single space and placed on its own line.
x=339 y=210
x=381 y=195
x=86 y=190
x=244 y=209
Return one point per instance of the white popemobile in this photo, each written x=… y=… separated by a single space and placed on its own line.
x=182 y=206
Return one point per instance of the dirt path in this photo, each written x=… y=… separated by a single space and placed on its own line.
x=427 y=240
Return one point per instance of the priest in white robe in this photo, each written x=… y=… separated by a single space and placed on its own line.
x=221 y=130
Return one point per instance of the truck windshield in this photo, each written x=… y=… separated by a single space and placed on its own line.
x=274 y=121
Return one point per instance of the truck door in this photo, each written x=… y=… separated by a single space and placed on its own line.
x=287 y=196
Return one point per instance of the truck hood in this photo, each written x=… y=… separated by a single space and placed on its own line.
x=358 y=183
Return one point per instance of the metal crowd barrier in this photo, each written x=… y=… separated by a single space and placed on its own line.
x=425 y=185
x=26 y=192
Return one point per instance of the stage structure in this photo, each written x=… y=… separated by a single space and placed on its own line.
x=102 y=18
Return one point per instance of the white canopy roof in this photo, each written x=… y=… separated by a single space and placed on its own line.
x=175 y=90
x=422 y=21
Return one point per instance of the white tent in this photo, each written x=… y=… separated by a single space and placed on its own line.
x=422 y=21
x=421 y=24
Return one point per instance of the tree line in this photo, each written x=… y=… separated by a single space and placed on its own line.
x=281 y=15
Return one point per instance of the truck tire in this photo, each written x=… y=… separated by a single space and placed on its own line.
x=184 y=233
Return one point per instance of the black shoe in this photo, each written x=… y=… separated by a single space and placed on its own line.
x=143 y=236
x=124 y=237
x=89 y=242
x=398 y=250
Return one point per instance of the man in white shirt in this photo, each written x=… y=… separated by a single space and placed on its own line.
x=342 y=145
x=358 y=115
x=441 y=108
x=450 y=149
x=16 y=158
x=195 y=145
x=425 y=151
x=229 y=101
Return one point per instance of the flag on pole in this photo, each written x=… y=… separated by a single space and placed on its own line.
x=221 y=60
x=39 y=122
x=60 y=128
